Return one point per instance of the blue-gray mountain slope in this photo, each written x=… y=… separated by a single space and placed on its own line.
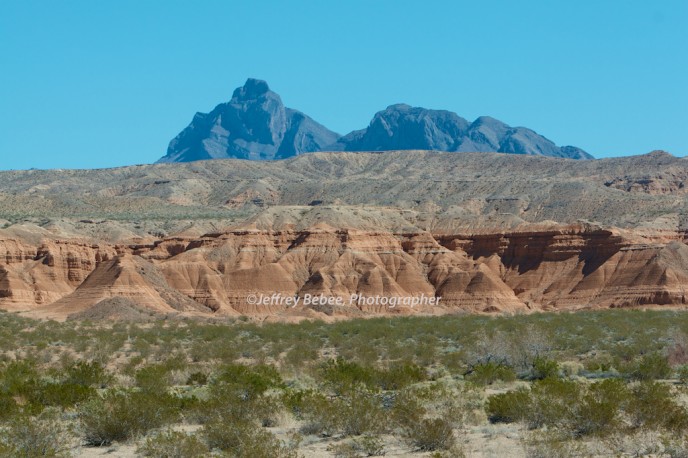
x=256 y=125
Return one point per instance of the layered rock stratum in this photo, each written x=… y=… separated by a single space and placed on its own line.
x=484 y=232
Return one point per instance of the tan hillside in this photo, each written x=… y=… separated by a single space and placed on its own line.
x=485 y=232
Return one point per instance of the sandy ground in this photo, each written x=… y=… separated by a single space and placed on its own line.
x=484 y=441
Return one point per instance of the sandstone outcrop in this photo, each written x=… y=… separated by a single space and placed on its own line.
x=557 y=268
x=485 y=232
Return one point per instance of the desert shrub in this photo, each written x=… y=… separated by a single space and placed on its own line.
x=652 y=366
x=508 y=407
x=676 y=447
x=247 y=382
x=598 y=364
x=488 y=373
x=358 y=411
x=242 y=439
x=300 y=355
x=240 y=392
x=551 y=445
x=552 y=402
x=267 y=410
x=364 y=446
x=173 y=444
x=21 y=381
x=544 y=368
x=59 y=394
x=412 y=410
x=370 y=445
x=678 y=353
x=454 y=361
x=122 y=415
x=652 y=405
x=16 y=375
x=321 y=418
x=445 y=400
x=35 y=437
x=341 y=375
x=298 y=401
x=600 y=409
x=132 y=363
x=430 y=434
x=344 y=450
x=153 y=378
x=407 y=408
x=88 y=374
x=8 y=406
x=682 y=373
x=197 y=378
x=399 y=375
x=571 y=368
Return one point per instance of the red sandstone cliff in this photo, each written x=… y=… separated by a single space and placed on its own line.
x=567 y=267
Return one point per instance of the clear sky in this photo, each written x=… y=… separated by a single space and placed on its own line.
x=87 y=84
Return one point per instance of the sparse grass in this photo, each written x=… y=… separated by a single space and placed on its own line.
x=574 y=376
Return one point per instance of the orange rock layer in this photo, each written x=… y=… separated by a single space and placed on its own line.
x=566 y=268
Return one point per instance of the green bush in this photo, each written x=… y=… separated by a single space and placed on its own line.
x=399 y=375
x=430 y=434
x=653 y=405
x=488 y=373
x=122 y=415
x=682 y=373
x=598 y=364
x=173 y=444
x=31 y=437
x=317 y=411
x=508 y=407
x=358 y=411
x=652 y=366
x=550 y=444
x=8 y=406
x=153 y=378
x=59 y=394
x=544 y=368
x=370 y=445
x=197 y=378
x=247 y=382
x=358 y=448
x=407 y=408
x=88 y=374
x=242 y=439
x=600 y=409
x=341 y=375
x=18 y=378
x=553 y=402
x=240 y=392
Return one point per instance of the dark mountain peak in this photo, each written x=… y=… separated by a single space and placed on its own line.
x=255 y=124
x=398 y=107
x=488 y=121
x=402 y=126
x=252 y=89
x=660 y=154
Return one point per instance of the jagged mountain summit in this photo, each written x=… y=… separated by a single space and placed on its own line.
x=401 y=126
x=256 y=125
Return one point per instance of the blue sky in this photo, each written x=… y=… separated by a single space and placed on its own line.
x=87 y=84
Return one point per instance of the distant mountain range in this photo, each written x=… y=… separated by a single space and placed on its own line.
x=256 y=125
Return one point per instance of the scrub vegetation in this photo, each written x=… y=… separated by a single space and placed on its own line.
x=604 y=383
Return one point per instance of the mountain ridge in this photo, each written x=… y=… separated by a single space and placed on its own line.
x=256 y=125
